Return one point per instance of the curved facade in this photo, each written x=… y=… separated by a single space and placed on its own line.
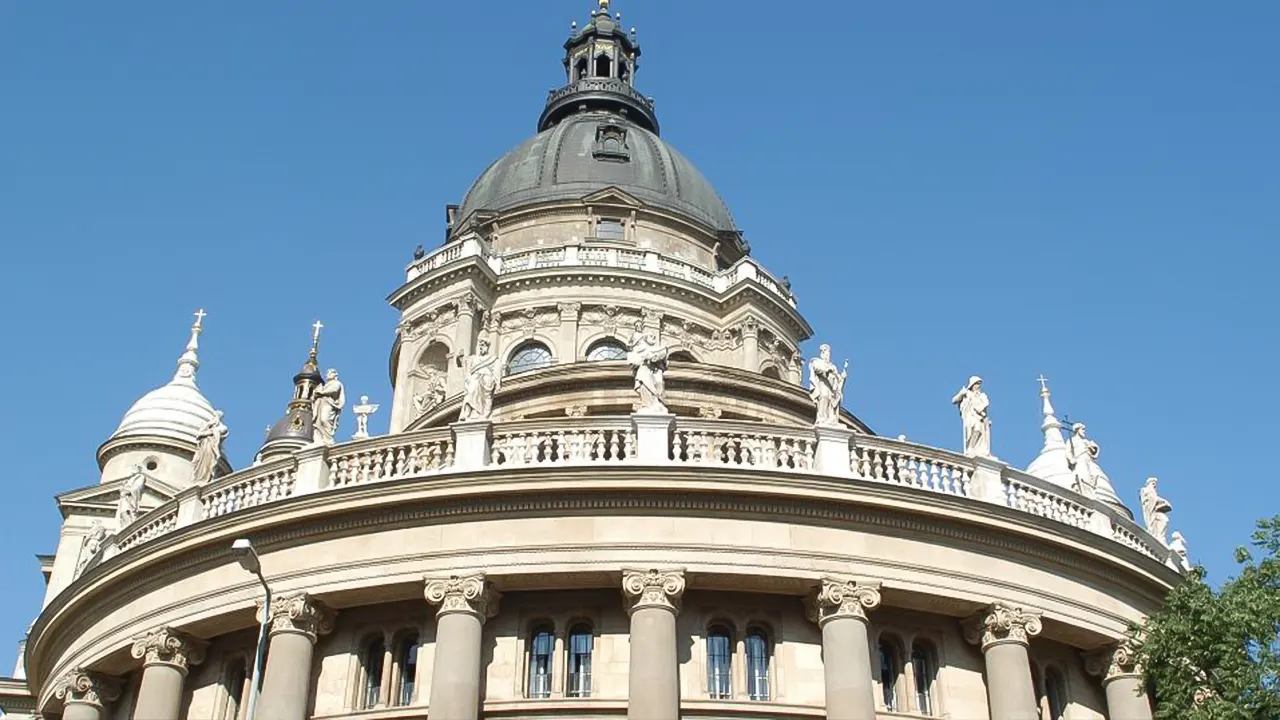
x=567 y=553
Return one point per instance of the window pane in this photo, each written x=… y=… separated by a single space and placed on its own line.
x=757 y=665
x=1056 y=691
x=237 y=679
x=581 y=642
x=719 y=664
x=889 y=675
x=408 y=670
x=925 y=673
x=606 y=350
x=529 y=357
x=373 y=673
x=541 y=648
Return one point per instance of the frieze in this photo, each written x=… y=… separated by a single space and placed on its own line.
x=528 y=321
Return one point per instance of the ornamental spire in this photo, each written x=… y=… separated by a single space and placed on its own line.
x=1051 y=464
x=189 y=363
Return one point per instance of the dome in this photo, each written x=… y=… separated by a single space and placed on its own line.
x=177 y=410
x=589 y=152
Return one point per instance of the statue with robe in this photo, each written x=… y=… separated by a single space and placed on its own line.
x=826 y=386
x=129 y=505
x=1155 y=511
x=326 y=409
x=1179 y=547
x=209 y=449
x=975 y=417
x=648 y=360
x=432 y=393
x=1082 y=459
x=92 y=546
x=480 y=382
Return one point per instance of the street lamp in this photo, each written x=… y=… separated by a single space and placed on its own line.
x=244 y=553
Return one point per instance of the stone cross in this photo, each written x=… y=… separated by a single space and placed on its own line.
x=200 y=316
x=315 y=336
x=1044 y=383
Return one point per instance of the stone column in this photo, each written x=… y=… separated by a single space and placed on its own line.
x=751 y=344
x=1004 y=632
x=569 y=313
x=296 y=621
x=465 y=603
x=464 y=337
x=839 y=606
x=1121 y=680
x=85 y=694
x=653 y=601
x=166 y=655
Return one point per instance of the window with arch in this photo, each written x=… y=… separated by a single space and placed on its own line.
x=682 y=356
x=580 y=69
x=924 y=671
x=719 y=662
x=371 y=662
x=890 y=672
x=542 y=643
x=604 y=350
x=757 y=649
x=407 y=666
x=236 y=683
x=582 y=640
x=1055 y=694
x=529 y=356
x=772 y=372
x=604 y=66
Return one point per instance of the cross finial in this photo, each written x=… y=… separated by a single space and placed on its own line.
x=315 y=335
x=1044 y=383
x=200 y=316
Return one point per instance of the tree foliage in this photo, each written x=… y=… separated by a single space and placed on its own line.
x=1214 y=654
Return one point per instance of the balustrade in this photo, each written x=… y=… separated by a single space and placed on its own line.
x=391 y=458
x=1022 y=494
x=162 y=521
x=563 y=442
x=743 y=444
x=911 y=465
x=257 y=486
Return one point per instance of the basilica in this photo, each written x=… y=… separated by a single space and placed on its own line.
x=613 y=486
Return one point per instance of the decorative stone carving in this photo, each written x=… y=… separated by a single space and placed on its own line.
x=750 y=327
x=92 y=546
x=362 y=413
x=1115 y=662
x=326 y=408
x=432 y=387
x=128 y=506
x=167 y=646
x=81 y=686
x=842 y=598
x=529 y=321
x=1002 y=623
x=431 y=323
x=653 y=589
x=209 y=449
x=479 y=384
x=471 y=594
x=301 y=613
x=576 y=411
x=569 y=312
x=648 y=360
x=1155 y=511
x=709 y=412
x=826 y=386
x=975 y=415
x=1179 y=547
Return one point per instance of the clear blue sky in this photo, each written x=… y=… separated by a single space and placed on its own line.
x=1082 y=189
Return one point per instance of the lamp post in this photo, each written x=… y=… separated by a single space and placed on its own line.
x=248 y=559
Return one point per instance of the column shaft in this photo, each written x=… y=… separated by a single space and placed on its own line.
x=455 y=677
x=1127 y=699
x=82 y=711
x=1011 y=693
x=847 y=670
x=286 y=683
x=160 y=694
x=654 y=681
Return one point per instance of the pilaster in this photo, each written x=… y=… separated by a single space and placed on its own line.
x=569 y=314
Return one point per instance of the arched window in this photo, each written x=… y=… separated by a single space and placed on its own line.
x=530 y=356
x=757 y=647
x=580 y=69
x=682 y=356
x=407 y=662
x=719 y=663
x=1055 y=692
x=542 y=643
x=890 y=671
x=604 y=66
x=924 y=670
x=374 y=655
x=581 y=643
x=772 y=372
x=606 y=350
x=236 y=684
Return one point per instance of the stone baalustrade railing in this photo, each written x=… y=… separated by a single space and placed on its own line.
x=745 y=270
x=833 y=454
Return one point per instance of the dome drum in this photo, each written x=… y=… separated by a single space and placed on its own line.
x=588 y=94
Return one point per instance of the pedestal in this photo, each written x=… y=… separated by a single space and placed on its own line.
x=471 y=444
x=832 y=454
x=988 y=481
x=653 y=438
x=313 y=470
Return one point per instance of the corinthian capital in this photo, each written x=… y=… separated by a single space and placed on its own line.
x=653 y=589
x=1115 y=662
x=301 y=613
x=1000 y=624
x=839 y=598
x=91 y=688
x=470 y=594
x=166 y=646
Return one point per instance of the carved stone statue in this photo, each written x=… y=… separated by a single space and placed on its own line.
x=432 y=385
x=826 y=386
x=326 y=408
x=362 y=413
x=1179 y=547
x=1155 y=511
x=209 y=449
x=1082 y=459
x=130 y=498
x=92 y=546
x=648 y=359
x=975 y=416
x=481 y=380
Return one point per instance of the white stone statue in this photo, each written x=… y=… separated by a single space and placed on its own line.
x=209 y=449
x=92 y=546
x=128 y=507
x=1155 y=511
x=826 y=386
x=648 y=360
x=480 y=382
x=1179 y=547
x=1082 y=459
x=433 y=392
x=326 y=409
x=362 y=413
x=975 y=415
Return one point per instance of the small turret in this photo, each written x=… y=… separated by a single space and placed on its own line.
x=296 y=429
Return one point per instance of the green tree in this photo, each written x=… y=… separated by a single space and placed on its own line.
x=1215 y=654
